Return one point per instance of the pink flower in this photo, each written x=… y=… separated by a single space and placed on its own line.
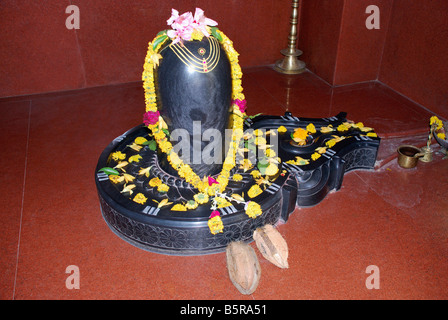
x=211 y=181
x=200 y=22
x=182 y=26
x=215 y=213
x=241 y=105
x=151 y=117
x=174 y=16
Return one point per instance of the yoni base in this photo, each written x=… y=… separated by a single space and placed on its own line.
x=158 y=229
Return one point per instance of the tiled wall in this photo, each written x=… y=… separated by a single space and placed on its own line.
x=415 y=58
x=39 y=54
x=409 y=52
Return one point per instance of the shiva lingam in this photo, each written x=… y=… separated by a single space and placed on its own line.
x=200 y=173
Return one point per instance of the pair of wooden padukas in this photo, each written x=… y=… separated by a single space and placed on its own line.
x=242 y=262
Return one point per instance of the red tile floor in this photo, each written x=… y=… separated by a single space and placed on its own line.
x=392 y=218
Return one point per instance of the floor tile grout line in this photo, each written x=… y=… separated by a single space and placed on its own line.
x=23 y=198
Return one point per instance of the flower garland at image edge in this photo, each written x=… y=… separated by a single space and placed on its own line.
x=154 y=121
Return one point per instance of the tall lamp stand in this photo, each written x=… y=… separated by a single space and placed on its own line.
x=290 y=64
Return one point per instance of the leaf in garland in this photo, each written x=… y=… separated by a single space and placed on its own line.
x=216 y=34
x=262 y=165
x=158 y=41
x=109 y=171
x=256 y=115
x=167 y=133
x=152 y=145
x=161 y=33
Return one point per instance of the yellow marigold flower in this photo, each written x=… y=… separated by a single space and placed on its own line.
x=260 y=141
x=191 y=204
x=301 y=162
x=128 y=188
x=236 y=85
x=135 y=146
x=236 y=71
x=121 y=165
x=343 y=127
x=117 y=156
x=144 y=171
x=184 y=170
x=155 y=59
x=155 y=182
x=165 y=146
x=178 y=207
x=326 y=129
x=253 y=209
x=365 y=129
x=159 y=135
x=237 y=177
x=300 y=133
x=258 y=132
x=237 y=134
x=140 y=140
x=239 y=96
x=437 y=121
x=441 y=135
x=321 y=150
x=254 y=191
x=162 y=203
x=311 y=128
x=128 y=178
x=282 y=129
x=330 y=143
x=215 y=225
x=245 y=164
x=359 y=125
x=135 y=158
x=116 y=179
x=315 y=156
x=271 y=170
x=372 y=134
x=201 y=198
x=270 y=153
x=211 y=190
x=163 y=188
x=174 y=159
x=222 y=202
x=140 y=198
x=256 y=174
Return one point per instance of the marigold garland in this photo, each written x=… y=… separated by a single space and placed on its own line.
x=153 y=118
x=154 y=121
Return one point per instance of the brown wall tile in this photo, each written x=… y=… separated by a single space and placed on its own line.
x=360 y=49
x=415 y=55
x=37 y=52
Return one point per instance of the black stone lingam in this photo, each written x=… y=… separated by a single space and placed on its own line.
x=194 y=93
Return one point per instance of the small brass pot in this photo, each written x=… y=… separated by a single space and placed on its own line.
x=408 y=156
